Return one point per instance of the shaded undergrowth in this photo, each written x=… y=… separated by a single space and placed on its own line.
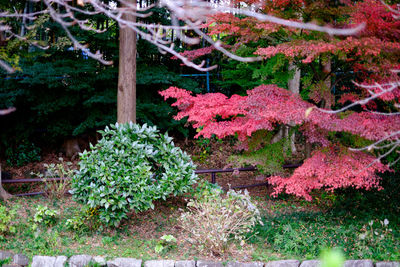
x=364 y=224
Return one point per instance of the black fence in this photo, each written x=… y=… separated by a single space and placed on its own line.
x=213 y=173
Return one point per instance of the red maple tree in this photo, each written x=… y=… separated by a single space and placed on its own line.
x=373 y=53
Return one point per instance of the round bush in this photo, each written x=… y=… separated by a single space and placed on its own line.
x=130 y=168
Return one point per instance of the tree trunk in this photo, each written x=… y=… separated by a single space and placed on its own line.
x=22 y=33
x=294 y=83
x=327 y=69
x=308 y=149
x=284 y=130
x=127 y=73
x=294 y=87
x=4 y=195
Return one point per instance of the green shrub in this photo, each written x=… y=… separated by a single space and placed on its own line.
x=7 y=218
x=166 y=243
x=130 y=168
x=22 y=154
x=85 y=219
x=214 y=219
x=45 y=216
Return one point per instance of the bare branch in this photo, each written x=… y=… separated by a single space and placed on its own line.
x=7 y=111
x=396 y=12
x=383 y=89
x=394 y=146
x=187 y=10
x=6 y=67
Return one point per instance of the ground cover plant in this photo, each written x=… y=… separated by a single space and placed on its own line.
x=292 y=229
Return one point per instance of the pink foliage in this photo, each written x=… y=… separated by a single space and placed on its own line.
x=379 y=20
x=351 y=97
x=309 y=50
x=268 y=105
x=261 y=109
x=196 y=53
x=330 y=170
x=315 y=134
x=247 y=29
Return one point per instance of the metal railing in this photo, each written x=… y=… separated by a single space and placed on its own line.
x=213 y=173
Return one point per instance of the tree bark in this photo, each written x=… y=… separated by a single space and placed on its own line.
x=284 y=130
x=308 y=150
x=22 y=33
x=327 y=69
x=294 y=83
x=294 y=87
x=126 y=104
x=4 y=195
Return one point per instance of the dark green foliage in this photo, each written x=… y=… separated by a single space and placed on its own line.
x=61 y=93
x=268 y=157
x=57 y=98
x=150 y=75
x=22 y=154
x=382 y=203
x=161 y=115
x=151 y=108
x=130 y=168
x=240 y=76
x=69 y=96
x=58 y=93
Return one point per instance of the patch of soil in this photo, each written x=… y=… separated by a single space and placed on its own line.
x=32 y=170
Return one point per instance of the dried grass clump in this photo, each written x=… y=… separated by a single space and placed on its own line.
x=215 y=219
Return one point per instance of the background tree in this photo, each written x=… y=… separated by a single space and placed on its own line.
x=62 y=82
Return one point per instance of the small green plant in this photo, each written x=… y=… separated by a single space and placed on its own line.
x=44 y=216
x=166 y=243
x=130 y=168
x=5 y=261
x=86 y=219
x=57 y=189
x=268 y=158
x=204 y=146
x=375 y=233
x=205 y=149
x=46 y=242
x=7 y=219
x=22 y=154
x=215 y=219
x=94 y=264
x=75 y=223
